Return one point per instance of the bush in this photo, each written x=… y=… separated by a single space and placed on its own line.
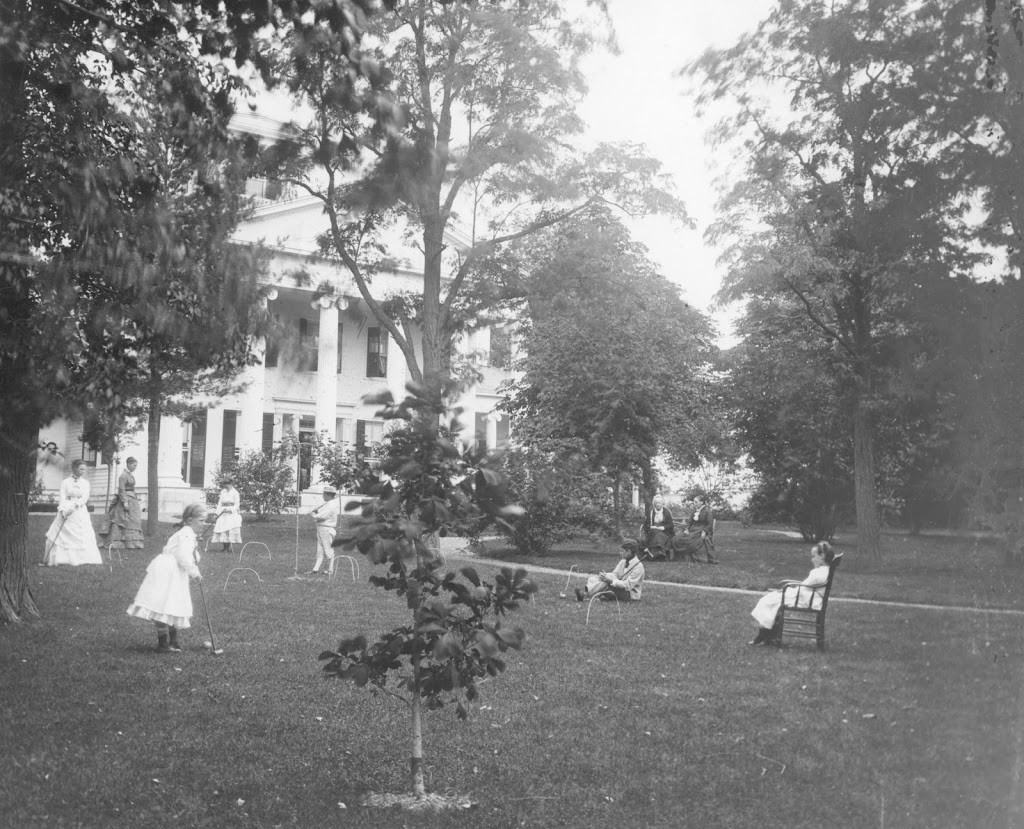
x=343 y=469
x=561 y=499
x=815 y=513
x=264 y=482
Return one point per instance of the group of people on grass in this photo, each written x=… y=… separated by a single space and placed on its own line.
x=164 y=596
x=72 y=540
x=625 y=581
x=658 y=533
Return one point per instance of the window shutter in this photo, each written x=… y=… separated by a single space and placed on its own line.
x=268 y=433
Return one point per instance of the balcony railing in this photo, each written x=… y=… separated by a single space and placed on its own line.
x=270 y=191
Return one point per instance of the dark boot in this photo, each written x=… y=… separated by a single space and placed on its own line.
x=172 y=644
x=762 y=638
x=161 y=639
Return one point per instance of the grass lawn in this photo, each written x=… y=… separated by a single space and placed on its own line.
x=663 y=718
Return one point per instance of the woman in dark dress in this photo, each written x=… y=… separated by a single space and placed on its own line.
x=126 y=512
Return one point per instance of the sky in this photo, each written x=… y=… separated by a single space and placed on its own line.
x=636 y=96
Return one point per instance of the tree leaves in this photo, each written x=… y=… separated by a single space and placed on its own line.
x=455 y=637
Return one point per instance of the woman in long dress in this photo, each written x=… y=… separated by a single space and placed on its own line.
x=766 y=611
x=165 y=596
x=71 y=538
x=126 y=512
x=227 y=529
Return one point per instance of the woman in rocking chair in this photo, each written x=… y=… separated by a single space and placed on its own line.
x=766 y=611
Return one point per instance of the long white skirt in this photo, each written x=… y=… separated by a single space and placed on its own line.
x=227 y=529
x=767 y=607
x=164 y=595
x=72 y=540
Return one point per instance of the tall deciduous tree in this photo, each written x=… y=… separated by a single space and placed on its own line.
x=848 y=201
x=785 y=392
x=486 y=95
x=614 y=358
x=184 y=335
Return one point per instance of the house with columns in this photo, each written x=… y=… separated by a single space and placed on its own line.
x=327 y=353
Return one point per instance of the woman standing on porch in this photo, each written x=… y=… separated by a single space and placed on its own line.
x=126 y=512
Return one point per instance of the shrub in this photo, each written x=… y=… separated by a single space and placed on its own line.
x=264 y=482
x=561 y=498
x=342 y=468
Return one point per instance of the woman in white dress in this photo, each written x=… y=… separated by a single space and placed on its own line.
x=766 y=611
x=227 y=530
x=71 y=538
x=165 y=596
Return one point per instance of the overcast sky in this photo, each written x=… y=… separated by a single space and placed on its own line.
x=636 y=96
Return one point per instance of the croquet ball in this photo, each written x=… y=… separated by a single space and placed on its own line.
x=207 y=644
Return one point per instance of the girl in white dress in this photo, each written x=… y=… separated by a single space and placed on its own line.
x=71 y=538
x=227 y=530
x=766 y=611
x=165 y=597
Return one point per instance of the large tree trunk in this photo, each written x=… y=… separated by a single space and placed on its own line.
x=153 y=466
x=433 y=326
x=18 y=447
x=865 y=496
x=19 y=388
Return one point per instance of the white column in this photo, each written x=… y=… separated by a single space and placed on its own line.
x=398 y=371
x=169 y=467
x=172 y=489
x=214 y=444
x=326 y=374
x=492 y=430
x=249 y=430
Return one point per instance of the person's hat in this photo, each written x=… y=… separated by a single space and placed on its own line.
x=329 y=491
x=631 y=546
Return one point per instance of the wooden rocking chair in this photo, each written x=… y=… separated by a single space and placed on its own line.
x=802 y=616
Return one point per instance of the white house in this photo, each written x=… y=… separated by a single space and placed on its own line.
x=311 y=381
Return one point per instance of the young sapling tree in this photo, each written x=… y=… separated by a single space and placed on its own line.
x=456 y=634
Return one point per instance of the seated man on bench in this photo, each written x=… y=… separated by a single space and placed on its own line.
x=625 y=582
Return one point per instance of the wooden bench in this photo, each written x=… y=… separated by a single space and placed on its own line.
x=806 y=622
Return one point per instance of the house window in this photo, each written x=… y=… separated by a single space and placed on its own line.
x=309 y=344
x=307 y=437
x=369 y=434
x=501 y=347
x=340 y=331
x=480 y=432
x=341 y=429
x=193 y=450
x=376 y=352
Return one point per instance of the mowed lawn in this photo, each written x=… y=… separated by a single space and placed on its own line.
x=663 y=717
